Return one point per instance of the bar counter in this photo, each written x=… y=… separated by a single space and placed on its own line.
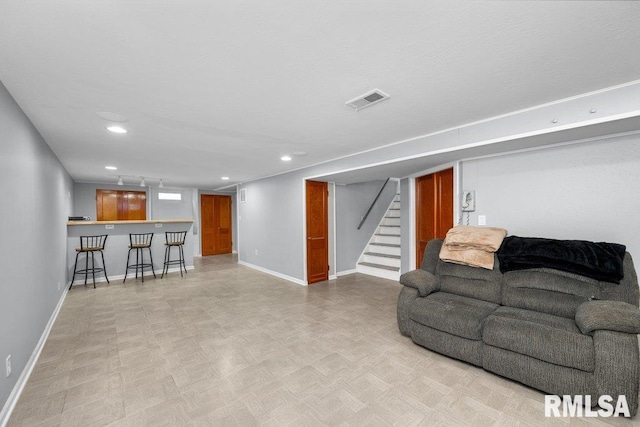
x=117 y=246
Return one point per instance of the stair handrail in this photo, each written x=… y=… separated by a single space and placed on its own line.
x=364 y=218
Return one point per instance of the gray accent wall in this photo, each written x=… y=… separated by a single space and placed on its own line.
x=84 y=201
x=352 y=202
x=171 y=209
x=585 y=191
x=37 y=197
x=271 y=224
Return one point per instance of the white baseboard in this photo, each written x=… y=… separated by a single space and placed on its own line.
x=10 y=404
x=345 y=272
x=273 y=273
x=101 y=279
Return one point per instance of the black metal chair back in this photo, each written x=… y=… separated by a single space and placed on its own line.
x=92 y=243
x=89 y=245
x=142 y=240
x=138 y=242
x=175 y=238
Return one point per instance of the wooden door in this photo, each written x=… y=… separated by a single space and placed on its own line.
x=434 y=208
x=107 y=205
x=119 y=205
x=317 y=231
x=215 y=214
x=134 y=205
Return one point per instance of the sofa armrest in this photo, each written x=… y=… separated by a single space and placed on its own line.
x=421 y=280
x=608 y=315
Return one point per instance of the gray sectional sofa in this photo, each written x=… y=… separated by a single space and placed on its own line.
x=555 y=331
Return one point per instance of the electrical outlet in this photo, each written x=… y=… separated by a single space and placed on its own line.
x=109 y=227
x=256 y=252
x=8 y=363
x=58 y=285
x=158 y=225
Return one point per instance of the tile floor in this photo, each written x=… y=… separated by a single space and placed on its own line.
x=228 y=345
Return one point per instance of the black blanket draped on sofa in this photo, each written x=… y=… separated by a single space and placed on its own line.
x=601 y=261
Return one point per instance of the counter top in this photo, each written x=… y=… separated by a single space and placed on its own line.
x=139 y=221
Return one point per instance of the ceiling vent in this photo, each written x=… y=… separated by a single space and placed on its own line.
x=368 y=99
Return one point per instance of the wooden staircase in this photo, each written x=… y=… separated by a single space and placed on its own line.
x=381 y=257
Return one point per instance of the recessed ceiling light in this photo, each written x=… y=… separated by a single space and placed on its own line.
x=285 y=158
x=111 y=168
x=116 y=129
x=225 y=178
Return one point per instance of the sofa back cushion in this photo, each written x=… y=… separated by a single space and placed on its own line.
x=560 y=293
x=431 y=255
x=470 y=282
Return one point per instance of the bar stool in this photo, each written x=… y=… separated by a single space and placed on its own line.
x=89 y=245
x=139 y=242
x=174 y=239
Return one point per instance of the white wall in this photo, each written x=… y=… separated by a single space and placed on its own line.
x=587 y=191
x=37 y=197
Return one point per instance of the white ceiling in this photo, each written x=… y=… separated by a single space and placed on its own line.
x=214 y=88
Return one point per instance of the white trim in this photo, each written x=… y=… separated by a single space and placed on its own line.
x=304 y=231
x=346 y=272
x=333 y=262
x=238 y=220
x=457 y=182
x=11 y=402
x=274 y=273
x=553 y=145
x=412 y=224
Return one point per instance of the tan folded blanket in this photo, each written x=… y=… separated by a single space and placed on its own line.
x=464 y=237
x=470 y=257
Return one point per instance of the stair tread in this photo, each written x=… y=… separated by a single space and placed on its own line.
x=394 y=209
x=387 y=235
x=378 y=254
x=390 y=245
x=385 y=225
x=374 y=265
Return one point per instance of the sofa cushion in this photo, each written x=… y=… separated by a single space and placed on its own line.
x=546 y=337
x=452 y=313
x=471 y=282
x=549 y=291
